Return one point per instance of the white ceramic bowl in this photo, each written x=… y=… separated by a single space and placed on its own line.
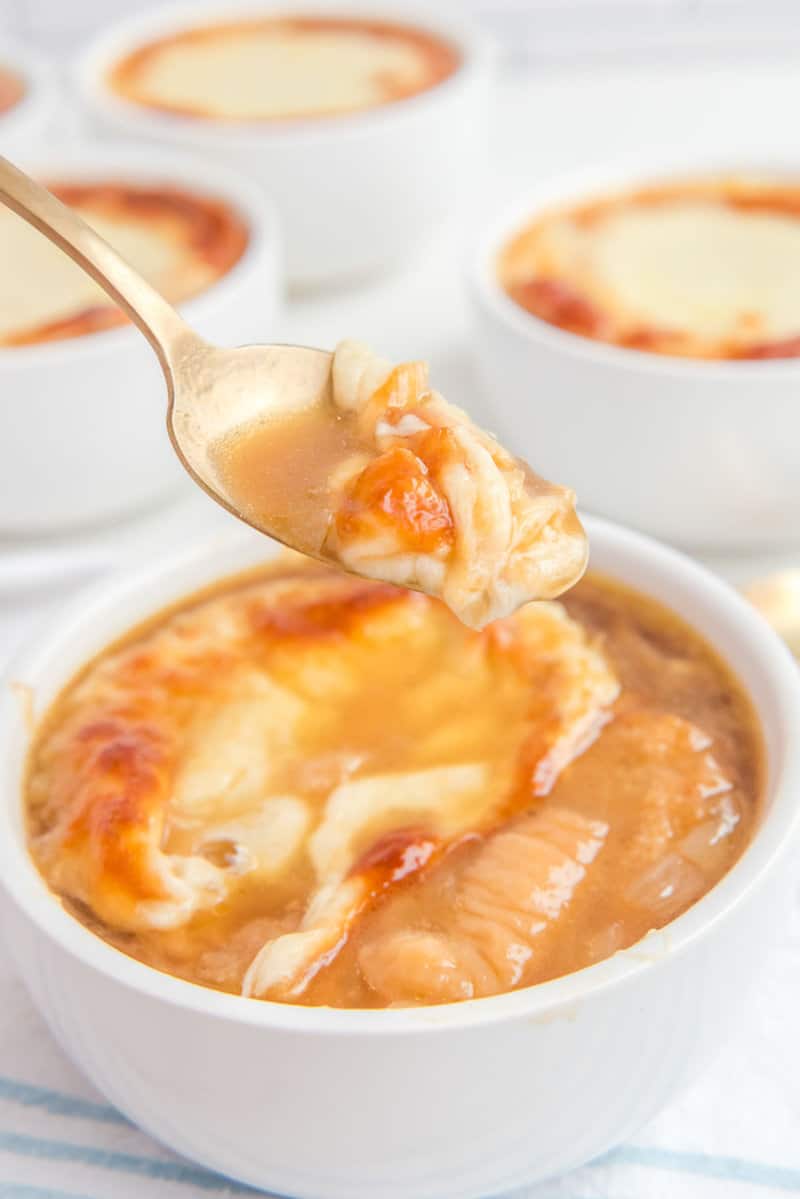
x=32 y=116
x=450 y=1102
x=700 y=453
x=355 y=193
x=82 y=421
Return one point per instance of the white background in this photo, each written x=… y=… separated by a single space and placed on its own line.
x=536 y=34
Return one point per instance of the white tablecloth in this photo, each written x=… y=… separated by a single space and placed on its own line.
x=736 y=1134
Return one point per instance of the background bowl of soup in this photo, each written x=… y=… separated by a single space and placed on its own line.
x=459 y=1100
x=637 y=333
x=82 y=433
x=367 y=145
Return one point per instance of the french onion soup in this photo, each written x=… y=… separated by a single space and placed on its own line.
x=287 y=67
x=387 y=479
x=180 y=242
x=311 y=788
x=12 y=89
x=697 y=268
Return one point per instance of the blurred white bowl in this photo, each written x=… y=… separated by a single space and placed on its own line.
x=32 y=115
x=457 y=1101
x=82 y=420
x=700 y=453
x=356 y=192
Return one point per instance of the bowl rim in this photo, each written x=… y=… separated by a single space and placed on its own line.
x=476 y=49
x=580 y=184
x=182 y=169
x=25 y=887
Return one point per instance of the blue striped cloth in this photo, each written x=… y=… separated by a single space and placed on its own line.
x=735 y=1135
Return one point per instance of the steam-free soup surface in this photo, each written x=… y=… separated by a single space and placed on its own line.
x=316 y=789
x=181 y=242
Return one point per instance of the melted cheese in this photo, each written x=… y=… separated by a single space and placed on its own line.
x=283 y=68
x=702 y=270
x=180 y=244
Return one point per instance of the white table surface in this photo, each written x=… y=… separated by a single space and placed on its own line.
x=737 y=1133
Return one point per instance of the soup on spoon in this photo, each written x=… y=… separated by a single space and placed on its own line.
x=385 y=478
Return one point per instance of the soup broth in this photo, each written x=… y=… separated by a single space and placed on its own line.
x=317 y=789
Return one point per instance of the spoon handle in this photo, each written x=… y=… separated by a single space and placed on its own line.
x=158 y=320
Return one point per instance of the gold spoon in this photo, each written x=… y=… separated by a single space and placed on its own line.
x=210 y=391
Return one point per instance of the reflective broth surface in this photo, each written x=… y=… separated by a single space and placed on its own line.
x=317 y=789
x=279 y=473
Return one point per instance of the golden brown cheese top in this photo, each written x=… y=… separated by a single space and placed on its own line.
x=180 y=241
x=387 y=479
x=698 y=268
x=318 y=789
x=283 y=688
x=283 y=68
x=12 y=89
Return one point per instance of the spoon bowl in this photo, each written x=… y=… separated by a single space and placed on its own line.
x=215 y=393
